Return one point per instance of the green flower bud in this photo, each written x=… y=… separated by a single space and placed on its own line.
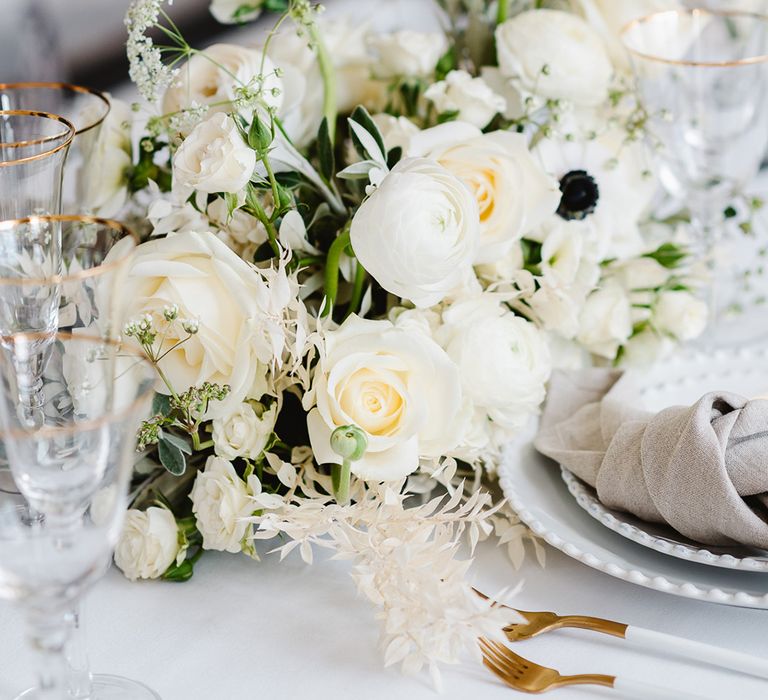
x=349 y=442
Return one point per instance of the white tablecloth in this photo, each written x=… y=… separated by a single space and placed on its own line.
x=247 y=630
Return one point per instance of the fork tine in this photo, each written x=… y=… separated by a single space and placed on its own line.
x=498 y=653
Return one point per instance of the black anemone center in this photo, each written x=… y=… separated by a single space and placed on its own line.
x=580 y=195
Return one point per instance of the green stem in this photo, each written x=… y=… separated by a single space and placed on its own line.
x=502 y=12
x=162 y=376
x=357 y=289
x=328 y=74
x=252 y=202
x=332 y=269
x=198 y=446
x=340 y=477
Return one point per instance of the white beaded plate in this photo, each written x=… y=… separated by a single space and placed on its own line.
x=534 y=488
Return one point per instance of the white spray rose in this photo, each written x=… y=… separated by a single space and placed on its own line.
x=557 y=309
x=397 y=385
x=148 y=544
x=554 y=55
x=407 y=53
x=471 y=98
x=502 y=358
x=641 y=273
x=235 y=11
x=606 y=320
x=221 y=501
x=244 y=432
x=214 y=77
x=207 y=281
x=645 y=348
x=214 y=157
x=680 y=314
x=107 y=158
x=512 y=192
x=417 y=233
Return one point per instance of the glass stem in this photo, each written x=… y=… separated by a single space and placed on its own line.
x=706 y=221
x=48 y=633
x=80 y=678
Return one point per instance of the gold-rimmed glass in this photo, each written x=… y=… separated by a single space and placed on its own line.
x=702 y=78
x=33 y=150
x=84 y=107
x=72 y=473
x=59 y=273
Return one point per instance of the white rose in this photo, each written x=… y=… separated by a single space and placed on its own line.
x=606 y=320
x=645 y=348
x=609 y=17
x=107 y=158
x=221 y=502
x=394 y=383
x=417 y=233
x=680 y=314
x=235 y=11
x=244 y=432
x=148 y=544
x=512 y=192
x=214 y=76
x=396 y=131
x=502 y=358
x=407 y=53
x=301 y=110
x=554 y=55
x=471 y=97
x=214 y=157
x=210 y=283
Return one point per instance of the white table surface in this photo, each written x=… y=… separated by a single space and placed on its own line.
x=272 y=630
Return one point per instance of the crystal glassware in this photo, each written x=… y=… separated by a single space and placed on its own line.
x=33 y=150
x=72 y=475
x=58 y=273
x=85 y=108
x=702 y=80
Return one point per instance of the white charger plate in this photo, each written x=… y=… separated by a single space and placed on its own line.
x=533 y=485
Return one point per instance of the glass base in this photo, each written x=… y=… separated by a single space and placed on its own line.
x=108 y=687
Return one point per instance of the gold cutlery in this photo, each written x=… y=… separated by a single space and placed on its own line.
x=529 y=677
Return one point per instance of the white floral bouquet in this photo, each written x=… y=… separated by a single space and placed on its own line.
x=364 y=254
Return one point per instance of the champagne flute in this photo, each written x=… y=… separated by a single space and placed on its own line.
x=72 y=474
x=33 y=150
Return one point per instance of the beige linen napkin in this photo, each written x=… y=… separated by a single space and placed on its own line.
x=703 y=469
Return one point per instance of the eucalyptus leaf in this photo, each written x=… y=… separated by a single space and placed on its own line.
x=176 y=441
x=171 y=457
x=161 y=404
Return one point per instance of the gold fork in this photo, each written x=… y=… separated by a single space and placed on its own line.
x=536 y=623
x=529 y=677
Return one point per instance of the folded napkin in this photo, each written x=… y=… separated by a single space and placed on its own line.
x=703 y=469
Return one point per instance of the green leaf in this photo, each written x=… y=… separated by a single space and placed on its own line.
x=394 y=156
x=161 y=405
x=259 y=135
x=444 y=117
x=179 y=573
x=668 y=255
x=178 y=442
x=446 y=63
x=231 y=199
x=289 y=179
x=325 y=149
x=729 y=212
x=276 y=5
x=361 y=116
x=171 y=457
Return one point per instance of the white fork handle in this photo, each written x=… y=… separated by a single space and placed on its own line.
x=698 y=651
x=646 y=691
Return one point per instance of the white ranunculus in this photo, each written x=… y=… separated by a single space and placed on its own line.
x=407 y=53
x=214 y=157
x=512 y=192
x=235 y=11
x=551 y=54
x=221 y=502
x=606 y=320
x=471 y=98
x=680 y=314
x=609 y=17
x=229 y=298
x=397 y=385
x=107 y=158
x=396 y=131
x=148 y=544
x=502 y=358
x=214 y=76
x=417 y=233
x=301 y=110
x=244 y=432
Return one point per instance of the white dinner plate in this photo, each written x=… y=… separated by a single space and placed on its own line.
x=533 y=485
